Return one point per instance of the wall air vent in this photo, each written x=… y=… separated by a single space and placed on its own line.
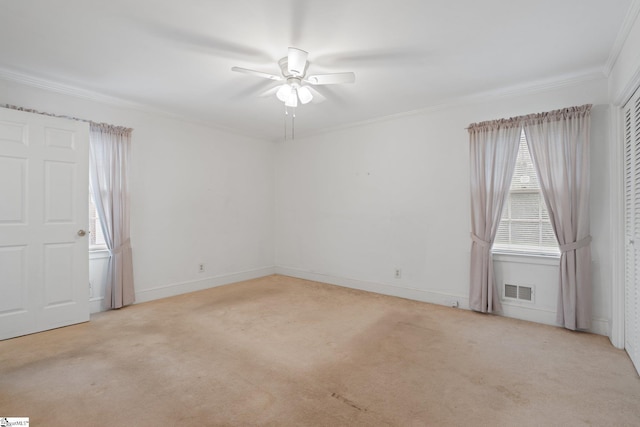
x=510 y=291
x=518 y=292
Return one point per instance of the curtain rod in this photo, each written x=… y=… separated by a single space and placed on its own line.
x=122 y=129
x=549 y=115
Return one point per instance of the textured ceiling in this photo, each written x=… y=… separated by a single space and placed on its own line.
x=407 y=54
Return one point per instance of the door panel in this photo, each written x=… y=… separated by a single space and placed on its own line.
x=13 y=270
x=44 y=275
x=59 y=178
x=60 y=138
x=58 y=274
x=13 y=170
x=631 y=116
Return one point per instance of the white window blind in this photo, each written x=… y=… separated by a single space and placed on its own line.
x=525 y=225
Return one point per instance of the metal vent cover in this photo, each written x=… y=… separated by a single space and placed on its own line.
x=525 y=293
x=510 y=291
x=518 y=292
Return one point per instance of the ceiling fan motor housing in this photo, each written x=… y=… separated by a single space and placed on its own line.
x=284 y=68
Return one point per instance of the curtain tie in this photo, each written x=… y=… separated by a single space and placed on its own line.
x=575 y=245
x=119 y=249
x=480 y=242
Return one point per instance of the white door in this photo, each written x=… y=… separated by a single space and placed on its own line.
x=631 y=114
x=44 y=265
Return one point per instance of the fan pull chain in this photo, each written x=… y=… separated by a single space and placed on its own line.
x=293 y=122
x=286 y=113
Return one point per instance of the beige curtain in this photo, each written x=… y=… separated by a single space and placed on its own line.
x=109 y=151
x=559 y=145
x=493 y=152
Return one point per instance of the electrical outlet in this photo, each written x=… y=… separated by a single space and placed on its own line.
x=398 y=273
x=201 y=268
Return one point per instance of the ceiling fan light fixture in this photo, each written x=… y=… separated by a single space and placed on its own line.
x=304 y=94
x=293 y=99
x=284 y=92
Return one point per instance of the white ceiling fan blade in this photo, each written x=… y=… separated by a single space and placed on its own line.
x=269 y=92
x=256 y=73
x=297 y=61
x=331 y=79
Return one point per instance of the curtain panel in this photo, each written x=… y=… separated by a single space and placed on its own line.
x=559 y=145
x=109 y=152
x=493 y=151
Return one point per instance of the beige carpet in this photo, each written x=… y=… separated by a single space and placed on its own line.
x=282 y=351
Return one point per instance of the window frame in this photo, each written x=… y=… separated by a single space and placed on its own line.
x=520 y=249
x=94 y=226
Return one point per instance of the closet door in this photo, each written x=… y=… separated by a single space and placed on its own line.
x=631 y=114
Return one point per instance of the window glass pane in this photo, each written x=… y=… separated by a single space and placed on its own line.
x=96 y=237
x=506 y=214
x=544 y=211
x=524 y=175
x=548 y=237
x=525 y=205
x=525 y=233
x=524 y=224
x=503 y=233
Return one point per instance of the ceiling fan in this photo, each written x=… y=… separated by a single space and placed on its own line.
x=298 y=86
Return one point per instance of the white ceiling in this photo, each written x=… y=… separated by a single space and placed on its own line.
x=176 y=56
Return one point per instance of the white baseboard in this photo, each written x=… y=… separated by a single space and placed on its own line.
x=200 y=284
x=379 y=288
x=548 y=317
x=95 y=305
x=532 y=314
x=601 y=327
x=529 y=313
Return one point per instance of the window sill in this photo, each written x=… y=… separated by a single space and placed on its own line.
x=526 y=257
x=98 y=253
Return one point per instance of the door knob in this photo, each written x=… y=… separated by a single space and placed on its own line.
x=81 y=233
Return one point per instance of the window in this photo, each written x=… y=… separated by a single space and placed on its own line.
x=96 y=237
x=525 y=225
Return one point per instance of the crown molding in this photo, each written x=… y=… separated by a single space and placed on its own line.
x=89 y=95
x=621 y=38
x=529 y=88
x=538 y=86
x=64 y=89
x=479 y=97
x=629 y=89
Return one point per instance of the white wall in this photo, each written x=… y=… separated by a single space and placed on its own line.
x=353 y=205
x=348 y=206
x=199 y=195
